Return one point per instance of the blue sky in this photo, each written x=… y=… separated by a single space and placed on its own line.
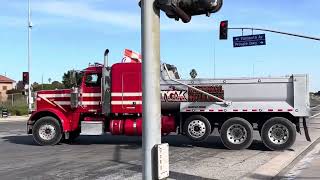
x=68 y=34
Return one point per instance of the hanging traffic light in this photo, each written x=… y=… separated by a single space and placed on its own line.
x=223 y=30
x=25 y=78
x=185 y=9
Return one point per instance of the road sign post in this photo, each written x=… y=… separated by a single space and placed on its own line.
x=151 y=135
x=252 y=40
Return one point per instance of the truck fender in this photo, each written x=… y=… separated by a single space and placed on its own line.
x=53 y=113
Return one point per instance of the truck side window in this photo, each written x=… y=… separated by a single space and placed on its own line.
x=93 y=80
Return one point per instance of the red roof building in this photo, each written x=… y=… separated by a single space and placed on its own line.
x=5 y=85
x=4 y=79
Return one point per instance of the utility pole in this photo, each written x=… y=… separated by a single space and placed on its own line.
x=151 y=135
x=253 y=70
x=214 y=58
x=29 y=56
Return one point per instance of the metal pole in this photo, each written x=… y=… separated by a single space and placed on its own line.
x=151 y=135
x=214 y=58
x=279 y=32
x=253 y=69
x=29 y=55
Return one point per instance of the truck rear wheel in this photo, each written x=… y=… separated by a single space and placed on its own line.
x=236 y=133
x=278 y=133
x=197 y=128
x=47 y=131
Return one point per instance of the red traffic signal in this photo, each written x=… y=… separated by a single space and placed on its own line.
x=223 y=30
x=25 y=78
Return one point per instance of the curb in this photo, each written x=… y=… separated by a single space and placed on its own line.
x=275 y=166
x=14 y=119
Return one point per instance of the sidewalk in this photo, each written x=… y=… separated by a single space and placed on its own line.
x=307 y=167
x=272 y=168
x=14 y=118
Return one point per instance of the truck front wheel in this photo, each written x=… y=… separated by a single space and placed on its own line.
x=278 y=133
x=47 y=131
x=197 y=128
x=236 y=133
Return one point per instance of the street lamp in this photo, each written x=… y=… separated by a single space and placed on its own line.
x=29 y=55
x=254 y=66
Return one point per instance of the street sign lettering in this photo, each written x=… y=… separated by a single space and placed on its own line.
x=252 y=40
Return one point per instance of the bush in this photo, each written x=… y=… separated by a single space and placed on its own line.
x=18 y=110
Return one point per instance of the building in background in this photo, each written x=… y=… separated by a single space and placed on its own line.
x=5 y=85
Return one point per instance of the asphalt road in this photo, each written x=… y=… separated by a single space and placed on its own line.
x=111 y=157
x=307 y=165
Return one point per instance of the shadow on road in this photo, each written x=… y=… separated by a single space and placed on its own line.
x=213 y=142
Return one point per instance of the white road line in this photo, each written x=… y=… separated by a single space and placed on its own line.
x=315 y=115
x=315 y=107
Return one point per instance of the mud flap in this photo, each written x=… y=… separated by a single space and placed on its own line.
x=298 y=127
x=306 y=131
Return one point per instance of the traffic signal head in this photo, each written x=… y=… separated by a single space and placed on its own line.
x=25 y=78
x=185 y=9
x=223 y=30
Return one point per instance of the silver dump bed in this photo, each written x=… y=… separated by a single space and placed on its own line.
x=273 y=94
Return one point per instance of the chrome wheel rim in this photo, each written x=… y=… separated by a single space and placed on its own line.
x=197 y=129
x=47 y=132
x=237 y=134
x=278 y=134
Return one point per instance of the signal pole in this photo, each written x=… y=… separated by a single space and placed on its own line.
x=151 y=135
x=29 y=56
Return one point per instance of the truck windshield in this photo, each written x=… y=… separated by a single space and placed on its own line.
x=93 y=80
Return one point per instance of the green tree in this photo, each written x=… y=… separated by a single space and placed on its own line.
x=54 y=85
x=71 y=78
x=20 y=85
x=57 y=85
x=193 y=73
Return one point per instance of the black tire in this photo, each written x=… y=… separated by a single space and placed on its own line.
x=197 y=128
x=278 y=134
x=47 y=131
x=236 y=133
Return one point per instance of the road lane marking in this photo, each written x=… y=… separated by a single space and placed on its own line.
x=315 y=115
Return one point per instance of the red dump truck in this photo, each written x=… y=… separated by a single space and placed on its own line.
x=109 y=100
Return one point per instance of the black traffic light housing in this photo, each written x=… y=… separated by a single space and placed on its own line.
x=223 y=30
x=185 y=9
x=25 y=78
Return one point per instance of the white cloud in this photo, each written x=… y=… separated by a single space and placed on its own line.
x=84 y=11
x=54 y=12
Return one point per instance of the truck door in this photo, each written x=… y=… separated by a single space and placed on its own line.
x=131 y=92
x=91 y=92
